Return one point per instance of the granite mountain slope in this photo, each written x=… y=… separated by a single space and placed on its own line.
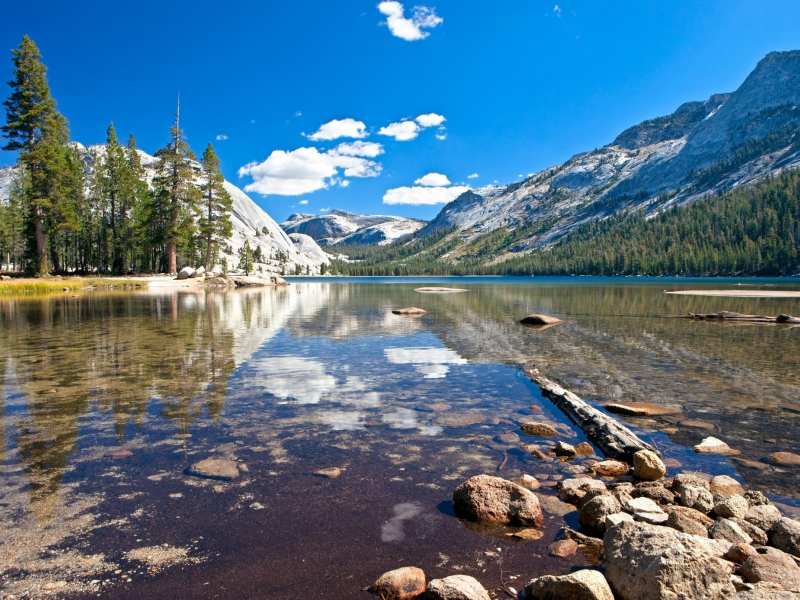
x=344 y=227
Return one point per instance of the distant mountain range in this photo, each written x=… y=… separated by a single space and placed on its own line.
x=340 y=227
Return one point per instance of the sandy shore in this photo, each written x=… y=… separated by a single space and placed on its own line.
x=739 y=293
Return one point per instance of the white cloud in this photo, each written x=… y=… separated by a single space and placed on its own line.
x=339 y=128
x=411 y=29
x=222 y=137
x=324 y=209
x=433 y=180
x=401 y=132
x=303 y=202
x=441 y=135
x=557 y=11
x=359 y=148
x=344 y=183
x=423 y=195
x=303 y=171
x=298 y=114
x=473 y=176
x=430 y=120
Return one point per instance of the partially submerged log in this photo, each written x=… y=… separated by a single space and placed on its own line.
x=613 y=438
x=738 y=317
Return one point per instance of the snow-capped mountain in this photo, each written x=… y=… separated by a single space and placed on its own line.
x=250 y=221
x=343 y=227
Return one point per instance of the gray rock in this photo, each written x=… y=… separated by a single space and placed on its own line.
x=405 y=583
x=580 y=585
x=655 y=491
x=773 y=566
x=186 y=273
x=732 y=507
x=572 y=490
x=697 y=498
x=647 y=562
x=617 y=518
x=593 y=514
x=759 y=535
x=684 y=479
x=755 y=498
x=765 y=591
x=215 y=468
x=763 y=516
x=725 y=529
x=456 y=587
x=785 y=535
x=680 y=522
x=488 y=499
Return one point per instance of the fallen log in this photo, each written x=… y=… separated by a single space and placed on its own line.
x=738 y=317
x=613 y=438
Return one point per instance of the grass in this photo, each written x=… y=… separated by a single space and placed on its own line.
x=57 y=284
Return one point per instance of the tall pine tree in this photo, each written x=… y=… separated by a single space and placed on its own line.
x=215 y=218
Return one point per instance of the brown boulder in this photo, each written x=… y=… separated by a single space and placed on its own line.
x=722 y=484
x=647 y=465
x=456 y=587
x=488 y=499
x=584 y=449
x=610 y=468
x=683 y=523
x=786 y=459
x=405 y=583
x=540 y=320
x=580 y=585
x=563 y=548
x=739 y=553
x=773 y=566
x=540 y=429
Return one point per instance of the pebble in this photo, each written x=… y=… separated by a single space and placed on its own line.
x=786 y=459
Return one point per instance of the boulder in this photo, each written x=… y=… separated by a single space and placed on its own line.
x=215 y=468
x=647 y=562
x=739 y=553
x=411 y=311
x=405 y=583
x=539 y=429
x=712 y=445
x=765 y=591
x=755 y=498
x=697 y=498
x=527 y=481
x=563 y=548
x=199 y=272
x=276 y=280
x=488 y=499
x=593 y=514
x=722 y=484
x=186 y=273
x=760 y=537
x=647 y=465
x=725 y=529
x=785 y=535
x=732 y=507
x=653 y=490
x=573 y=490
x=681 y=522
x=564 y=449
x=693 y=514
x=617 y=518
x=763 y=516
x=540 y=320
x=456 y=587
x=610 y=468
x=580 y=585
x=786 y=459
x=686 y=480
x=644 y=509
x=773 y=566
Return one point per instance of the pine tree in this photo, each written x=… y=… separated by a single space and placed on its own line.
x=215 y=219
x=12 y=213
x=175 y=196
x=246 y=258
x=35 y=128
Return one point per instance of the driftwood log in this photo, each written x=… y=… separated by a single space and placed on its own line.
x=738 y=317
x=613 y=438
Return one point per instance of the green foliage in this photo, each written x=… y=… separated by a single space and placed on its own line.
x=215 y=220
x=246 y=258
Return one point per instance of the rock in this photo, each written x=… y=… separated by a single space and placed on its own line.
x=732 y=507
x=564 y=449
x=215 y=468
x=712 y=445
x=764 y=516
x=647 y=562
x=488 y=499
x=785 y=535
x=199 y=272
x=540 y=320
x=563 y=548
x=698 y=499
x=584 y=449
x=773 y=566
x=725 y=529
x=119 y=454
x=456 y=587
x=765 y=591
x=186 y=273
x=786 y=459
x=644 y=509
x=640 y=409
x=593 y=514
x=655 y=491
x=758 y=535
x=508 y=438
x=681 y=522
x=648 y=466
x=722 y=484
x=405 y=583
x=528 y=482
x=684 y=479
x=697 y=424
x=573 y=490
x=617 y=518
x=755 y=498
x=580 y=585
x=410 y=311
x=540 y=429
x=275 y=279
x=329 y=472
x=693 y=514
x=554 y=506
x=739 y=553
x=610 y=468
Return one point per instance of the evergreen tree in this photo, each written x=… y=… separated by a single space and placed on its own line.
x=35 y=128
x=246 y=258
x=12 y=241
x=175 y=196
x=215 y=219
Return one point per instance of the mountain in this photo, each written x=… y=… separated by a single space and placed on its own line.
x=250 y=222
x=346 y=228
x=702 y=148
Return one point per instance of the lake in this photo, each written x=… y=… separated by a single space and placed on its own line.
x=109 y=397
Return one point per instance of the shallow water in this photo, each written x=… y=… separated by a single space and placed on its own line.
x=321 y=374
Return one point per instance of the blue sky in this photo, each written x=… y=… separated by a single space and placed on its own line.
x=521 y=84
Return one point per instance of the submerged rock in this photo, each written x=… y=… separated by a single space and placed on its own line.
x=405 y=583
x=564 y=449
x=410 y=311
x=648 y=562
x=528 y=482
x=586 y=584
x=786 y=459
x=329 y=472
x=647 y=465
x=488 y=499
x=584 y=449
x=640 y=409
x=215 y=468
x=456 y=587
x=712 y=445
x=540 y=320
x=539 y=429
x=563 y=548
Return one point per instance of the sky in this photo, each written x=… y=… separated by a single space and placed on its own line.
x=384 y=106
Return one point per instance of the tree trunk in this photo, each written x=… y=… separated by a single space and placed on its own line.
x=209 y=236
x=41 y=251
